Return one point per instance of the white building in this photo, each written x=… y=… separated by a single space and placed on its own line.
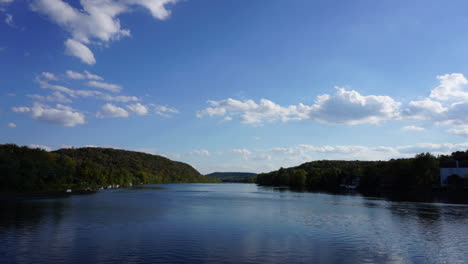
x=448 y=169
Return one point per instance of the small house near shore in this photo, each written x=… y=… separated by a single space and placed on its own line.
x=452 y=169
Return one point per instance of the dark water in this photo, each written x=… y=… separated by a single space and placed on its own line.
x=230 y=223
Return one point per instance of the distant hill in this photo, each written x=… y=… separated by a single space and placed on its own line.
x=22 y=168
x=244 y=177
x=221 y=175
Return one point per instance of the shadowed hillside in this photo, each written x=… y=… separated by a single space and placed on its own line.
x=22 y=168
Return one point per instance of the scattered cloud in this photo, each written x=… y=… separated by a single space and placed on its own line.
x=9 y=20
x=60 y=115
x=77 y=49
x=94 y=22
x=412 y=128
x=243 y=152
x=110 y=110
x=54 y=97
x=85 y=75
x=6 y=1
x=164 y=110
x=49 y=76
x=138 y=109
x=11 y=125
x=106 y=86
x=199 y=152
x=75 y=75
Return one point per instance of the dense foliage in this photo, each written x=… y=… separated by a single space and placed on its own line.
x=420 y=172
x=22 y=168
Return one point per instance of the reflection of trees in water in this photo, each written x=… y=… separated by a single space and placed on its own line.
x=28 y=214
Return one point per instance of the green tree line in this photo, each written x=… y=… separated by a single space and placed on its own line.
x=26 y=169
x=420 y=172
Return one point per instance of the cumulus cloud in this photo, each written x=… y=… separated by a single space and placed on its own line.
x=412 y=128
x=11 y=125
x=250 y=112
x=105 y=86
x=110 y=110
x=138 y=109
x=77 y=49
x=60 y=115
x=95 y=21
x=344 y=107
x=450 y=87
x=426 y=109
x=350 y=107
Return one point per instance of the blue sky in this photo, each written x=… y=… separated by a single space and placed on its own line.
x=236 y=85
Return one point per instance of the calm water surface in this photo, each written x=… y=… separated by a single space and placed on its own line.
x=230 y=223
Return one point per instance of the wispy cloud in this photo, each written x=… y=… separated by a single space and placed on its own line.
x=94 y=21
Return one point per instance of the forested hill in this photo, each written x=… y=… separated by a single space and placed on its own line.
x=22 y=168
x=418 y=173
x=221 y=175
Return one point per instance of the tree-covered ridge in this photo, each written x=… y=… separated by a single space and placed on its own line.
x=420 y=172
x=22 y=168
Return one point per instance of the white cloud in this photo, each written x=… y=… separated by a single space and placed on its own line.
x=106 y=86
x=459 y=131
x=426 y=109
x=243 y=152
x=79 y=93
x=412 y=128
x=54 y=97
x=61 y=115
x=78 y=49
x=119 y=98
x=95 y=21
x=344 y=107
x=110 y=110
x=49 y=76
x=11 y=125
x=138 y=109
x=350 y=107
x=9 y=20
x=85 y=75
x=93 y=76
x=75 y=75
x=6 y=1
x=199 y=152
x=450 y=87
x=252 y=113
x=43 y=147
x=164 y=110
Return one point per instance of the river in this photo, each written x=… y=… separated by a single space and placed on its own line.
x=229 y=223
